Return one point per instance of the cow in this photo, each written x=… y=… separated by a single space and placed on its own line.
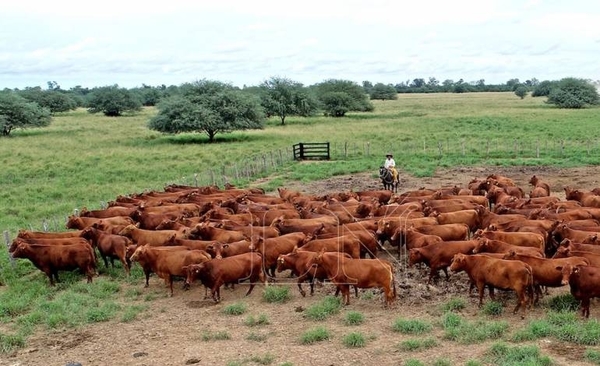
x=220 y=250
x=583 y=281
x=540 y=188
x=152 y=237
x=544 y=269
x=43 y=241
x=271 y=248
x=109 y=245
x=439 y=255
x=344 y=244
x=216 y=272
x=587 y=199
x=205 y=231
x=468 y=217
x=53 y=258
x=521 y=239
x=362 y=273
x=496 y=246
x=447 y=232
x=80 y=223
x=108 y=212
x=413 y=239
x=168 y=263
x=569 y=244
x=563 y=252
x=497 y=273
x=29 y=234
x=249 y=230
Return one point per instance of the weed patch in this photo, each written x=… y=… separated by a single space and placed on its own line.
x=315 y=335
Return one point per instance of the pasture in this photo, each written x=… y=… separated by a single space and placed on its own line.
x=82 y=160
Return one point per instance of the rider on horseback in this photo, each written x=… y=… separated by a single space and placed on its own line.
x=390 y=164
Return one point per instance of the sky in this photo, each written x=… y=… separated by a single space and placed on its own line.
x=245 y=42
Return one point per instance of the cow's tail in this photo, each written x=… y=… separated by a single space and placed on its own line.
x=393 y=282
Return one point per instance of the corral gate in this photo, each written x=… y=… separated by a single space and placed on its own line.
x=311 y=150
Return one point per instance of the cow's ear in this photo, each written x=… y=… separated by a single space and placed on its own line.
x=137 y=224
x=576 y=269
x=559 y=268
x=225 y=246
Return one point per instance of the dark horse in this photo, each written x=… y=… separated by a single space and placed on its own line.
x=388 y=179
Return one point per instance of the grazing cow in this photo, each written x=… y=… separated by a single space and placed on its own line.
x=109 y=245
x=362 y=273
x=271 y=248
x=43 y=241
x=584 y=283
x=206 y=231
x=53 y=258
x=108 y=212
x=168 y=263
x=216 y=272
x=497 y=273
x=151 y=237
x=439 y=255
x=80 y=223
x=544 y=270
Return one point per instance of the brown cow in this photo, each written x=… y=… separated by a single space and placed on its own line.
x=220 y=250
x=413 y=239
x=249 y=230
x=583 y=281
x=43 y=241
x=540 y=188
x=271 y=248
x=544 y=270
x=521 y=239
x=344 y=244
x=569 y=244
x=362 y=273
x=28 y=234
x=587 y=199
x=108 y=212
x=497 y=273
x=205 y=231
x=109 y=245
x=307 y=226
x=168 y=263
x=447 y=232
x=563 y=252
x=497 y=246
x=468 y=217
x=216 y=272
x=80 y=223
x=53 y=258
x=439 y=255
x=151 y=237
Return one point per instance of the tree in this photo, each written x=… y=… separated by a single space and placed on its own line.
x=113 y=101
x=52 y=99
x=521 y=91
x=543 y=88
x=337 y=105
x=17 y=112
x=383 y=92
x=283 y=97
x=573 y=93
x=367 y=86
x=210 y=107
x=512 y=84
x=418 y=83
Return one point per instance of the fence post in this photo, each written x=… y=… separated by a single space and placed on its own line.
x=424 y=147
x=463 y=147
x=196 y=179
x=487 y=149
x=76 y=212
x=7 y=242
x=280 y=157
x=516 y=152
x=537 y=149
x=440 y=148
x=562 y=147
x=345 y=149
x=368 y=148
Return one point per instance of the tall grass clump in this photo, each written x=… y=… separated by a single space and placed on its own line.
x=253 y=321
x=417 y=344
x=322 y=310
x=411 y=326
x=563 y=302
x=592 y=356
x=502 y=354
x=460 y=330
x=354 y=340
x=492 y=308
x=413 y=362
x=315 y=335
x=10 y=342
x=278 y=294
x=454 y=304
x=235 y=309
x=354 y=318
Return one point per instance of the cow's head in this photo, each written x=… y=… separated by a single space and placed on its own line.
x=458 y=262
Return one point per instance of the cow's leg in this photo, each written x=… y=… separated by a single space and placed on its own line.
x=125 y=265
x=492 y=295
x=105 y=259
x=169 y=279
x=50 y=275
x=355 y=291
x=302 y=292
x=480 y=290
x=346 y=294
x=250 y=289
x=585 y=307
x=147 y=274
x=445 y=269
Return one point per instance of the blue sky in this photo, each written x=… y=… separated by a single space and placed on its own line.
x=246 y=42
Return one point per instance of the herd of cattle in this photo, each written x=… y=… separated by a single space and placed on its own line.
x=490 y=229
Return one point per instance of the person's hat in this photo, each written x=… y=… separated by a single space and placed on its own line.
x=389 y=154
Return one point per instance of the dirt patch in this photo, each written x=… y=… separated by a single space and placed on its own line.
x=172 y=331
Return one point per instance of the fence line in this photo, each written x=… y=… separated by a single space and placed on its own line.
x=264 y=164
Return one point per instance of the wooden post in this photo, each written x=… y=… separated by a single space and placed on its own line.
x=212 y=177
x=368 y=148
x=463 y=147
x=264 y=162
x=196 y=179
x=280 y=157
x=516 y=153
x=7 y=242
x=76 y=212
x=345 y=149
x=588 y=147
x=562 y=147
x=424 y=147
x=537 y=149
x=440 y=148
x=487 y=149
x=45 y=225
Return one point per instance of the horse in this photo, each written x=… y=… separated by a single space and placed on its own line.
x=387 y=179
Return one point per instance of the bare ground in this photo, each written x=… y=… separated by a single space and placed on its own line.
x=171 y=331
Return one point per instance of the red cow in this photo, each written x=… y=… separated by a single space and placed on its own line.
x=216 y=272
x=28 y=234
x=497 y=246
x=439 y=255
x=583 y=281
x=53 y=258
x=497 y=273
x=151 y=237
x=109 y=245
x=272 y=248
x=362 y=273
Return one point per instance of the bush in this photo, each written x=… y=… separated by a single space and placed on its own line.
x=417 y=344
x=454 y=304
x=251 y=321
x=573 y=93
x=113 y=101
x=592 y=356
x=17 y=112
x=328 y=306
x=521 y=91
x=502 y=354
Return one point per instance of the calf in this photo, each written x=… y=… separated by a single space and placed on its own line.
x=584 y=283
x=363 y=273
x=439 y=255
x=544 y=270
x=53 y=258
x=503 y=274
x=169 y=263
x=216 y=272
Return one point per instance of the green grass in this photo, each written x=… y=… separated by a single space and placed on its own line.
x=564 y=302
x=237 y=308
x=354 y=340
x=413 y=362
x=221 y=335
x=563 y=326
x=354 y=318
x=323 y=309
x=454 y=304
x=458 y=329
x=411 y=326
x=278 y=294
x=314 y=335
x=265 y=359
x=502 y=354
x=417 y=344
x=592 y=356
x=492 y=308
x=253 y=321
x=442 y=362
x=256 y=337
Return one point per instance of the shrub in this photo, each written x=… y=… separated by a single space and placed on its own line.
x=256 y=337
x=262 y=319
x=215 y=336
x=266 y=359
x=413 y=362
x=573 y=93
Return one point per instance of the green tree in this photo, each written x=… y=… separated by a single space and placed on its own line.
x=113 y=101
x=17 y=112
x=383 y=92
x=543 y=89
x=335 y=104
x=573 y=93
x=52 y=99
x=283 y=97
x=521 y=91
x=209 y=107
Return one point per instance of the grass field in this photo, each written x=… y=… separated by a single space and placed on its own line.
x=83 y=160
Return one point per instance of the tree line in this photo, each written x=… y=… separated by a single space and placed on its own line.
x=214 y=107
